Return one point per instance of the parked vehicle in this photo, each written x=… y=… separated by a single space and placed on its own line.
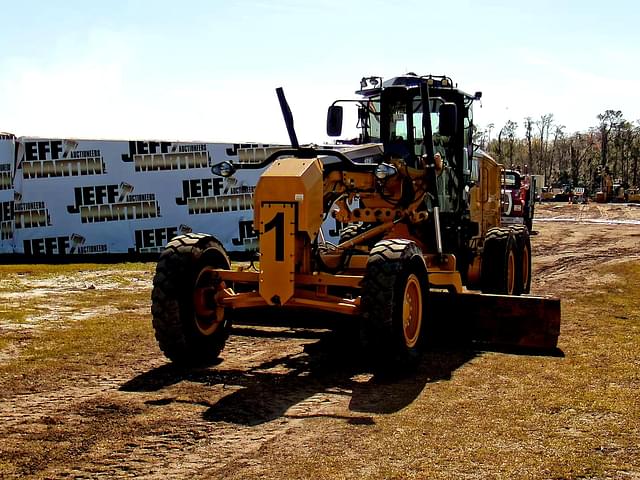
x=421 y=234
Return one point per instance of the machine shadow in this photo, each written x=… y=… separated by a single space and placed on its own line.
x=332 y=365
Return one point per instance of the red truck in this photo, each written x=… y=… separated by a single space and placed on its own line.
x=518 y=200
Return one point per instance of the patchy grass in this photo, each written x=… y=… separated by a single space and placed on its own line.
x=59 y=332
x=464 y=415
x=43 y=270
x=17 y=313
x=5 y=341
x=71 y=329
x=507 y=416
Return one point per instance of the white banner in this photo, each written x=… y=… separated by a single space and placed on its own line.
x=66 y=197
x=101 y=196
x=7 y=226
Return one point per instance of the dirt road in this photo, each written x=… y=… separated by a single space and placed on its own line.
x=575 y=240
x=297 y=402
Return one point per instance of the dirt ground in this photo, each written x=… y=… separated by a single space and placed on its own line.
x=575 y=240
x=294 y=403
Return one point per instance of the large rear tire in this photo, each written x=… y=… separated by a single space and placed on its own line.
x=498 y=273
x=393 y=301
x=354 y=229
x=350 y=231
x=183 y=336
x=523 y=260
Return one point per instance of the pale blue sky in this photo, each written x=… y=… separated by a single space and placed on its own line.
x=198 y=70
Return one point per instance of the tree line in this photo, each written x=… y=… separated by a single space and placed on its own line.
x=576 y=159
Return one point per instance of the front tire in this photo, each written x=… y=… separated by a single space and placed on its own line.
x=183 y=336
x=393 y=301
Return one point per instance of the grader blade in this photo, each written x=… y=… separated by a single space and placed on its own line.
x=499 y=320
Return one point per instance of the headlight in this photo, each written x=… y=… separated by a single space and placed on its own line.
x=385 y=170
x=223 y=169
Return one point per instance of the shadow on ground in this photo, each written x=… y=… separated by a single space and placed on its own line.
x=330 y=365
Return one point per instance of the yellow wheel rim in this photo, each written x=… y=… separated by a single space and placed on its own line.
x=412 y=311
x=207 y=314
x=511 y=273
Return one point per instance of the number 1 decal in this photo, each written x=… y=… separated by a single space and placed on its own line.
x=277 y=222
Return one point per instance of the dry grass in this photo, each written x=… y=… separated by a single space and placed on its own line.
x=509 y=416
x=475 y=415
x=60 y=329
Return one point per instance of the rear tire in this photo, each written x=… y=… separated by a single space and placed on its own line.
x=184 y=337
x=523 y=260
x=349 y=232
x=354 y=229
x=393 y=301
x=498 y=274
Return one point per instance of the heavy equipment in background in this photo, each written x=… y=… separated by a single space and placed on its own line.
x=633 y=195
x=608 y=189
x=518 y=201
x=604 y=192
x=422 y=248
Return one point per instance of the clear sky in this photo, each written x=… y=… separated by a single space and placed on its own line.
x=207 y=70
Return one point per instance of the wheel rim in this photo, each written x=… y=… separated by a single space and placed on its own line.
x=207 y=314
x=525 y=267
x=412 y=311
x=511 y=272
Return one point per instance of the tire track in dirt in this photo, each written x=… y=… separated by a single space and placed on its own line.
x=145 y=418
x=181 y=453
x=193 y=421
x=571 y=254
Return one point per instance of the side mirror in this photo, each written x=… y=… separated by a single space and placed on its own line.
x=448 y=125
x=223 y=169
x=334 y=121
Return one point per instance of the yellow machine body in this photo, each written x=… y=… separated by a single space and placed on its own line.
x=390 y=201
x=288 y=214
x=485 y=205
x=417 y=214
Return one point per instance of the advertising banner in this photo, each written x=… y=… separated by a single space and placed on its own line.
x=103 y=196
x=76 y=197
x=7 y=143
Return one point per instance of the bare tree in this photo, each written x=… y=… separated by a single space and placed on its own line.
x=481 y=136
x=559 y=151
x=582 y=147
x=544 y=126
x=528 y=127
x=608 y=120
x=614 y=143
x=635 y=154
x=510 y=133
x=489 y=128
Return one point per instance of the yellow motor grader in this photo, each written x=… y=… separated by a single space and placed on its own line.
x=421 y=246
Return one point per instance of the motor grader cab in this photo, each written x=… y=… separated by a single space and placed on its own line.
x=413 y=247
